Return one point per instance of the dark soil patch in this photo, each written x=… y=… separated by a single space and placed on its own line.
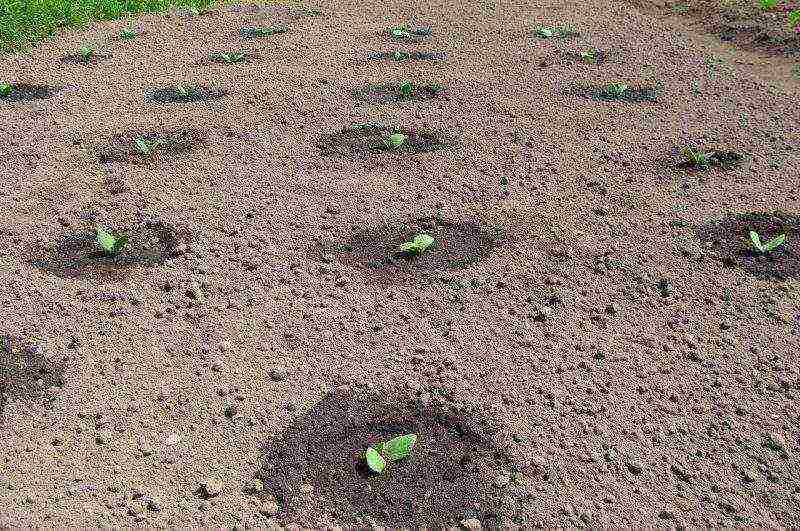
x=391 y=93
x=26 y=92
x=408 y=56
x=456 y=245
x=261 y=32
x=449 y=476
x=89 y=60
x=160 y=146
x=193 y=94
x=150 y=243
x=408 y=33
x=366 y=139
x=730 y=243
x=632 y=94
x=25 y=371
x=717 y=158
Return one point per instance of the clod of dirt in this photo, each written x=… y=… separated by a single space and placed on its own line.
x=730 y=243
x=150 y=243
x=187 y=94
x=456 y=245
x=408 y=33
x=153 y=145
x=407 y=56
x=715 y=159
x=632 y=94
x=260 y=32
x=450 y=475
x=392 y=93
x=93 y=59
x=25 y=371
x=26 y=92
x=364 y=139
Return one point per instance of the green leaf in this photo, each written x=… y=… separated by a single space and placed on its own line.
x=774 y=243
x=128 y=34
x=768 y=4
x=5 y=89
x=142 y=146
x=406 y=89
x=396 y=140
x=399 y=447
x=400 y=32
x=120 y=244
x=794 y=18
x=544 y=33
x=756 y=240
x=423 y=242
x=375 y=461
x=106 y=240
x=408 y=247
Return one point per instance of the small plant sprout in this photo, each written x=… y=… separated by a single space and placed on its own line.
x=771 y=245
x=146 y=148
x=696 y=157
x=417 y=246
x=110 y=243
x=544 y=33
x=406 y=89
x=232 y=57
x=768 y=4
x=185 y=90
x=5 y=89
x=589 y=56
x=616 y=90
x=390 y=451
x=395 y=140
x=128 y=34
x=400 y=32
x=86 y=51
x=401 y=56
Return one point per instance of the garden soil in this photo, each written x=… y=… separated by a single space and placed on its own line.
x=590 y=341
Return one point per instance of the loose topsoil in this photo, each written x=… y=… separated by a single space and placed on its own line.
x=589 y=342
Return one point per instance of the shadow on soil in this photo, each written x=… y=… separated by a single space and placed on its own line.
x=407 y=56
x=26 y=92
x=456 y=245
x=75 y=256
x=632 y=94
x=389 y=93
x=730 y=243
x=186 y=94
x=449 y=476
x=25 y=371
x=366 y=139
x=153 y=145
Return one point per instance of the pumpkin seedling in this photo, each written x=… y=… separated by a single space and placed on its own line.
x=263 y=32
x=390 y=451
x=86 y=51
x=232 y=57
x=406 y=89
x=394 y=141
x=146 y=148
x=110 y=243
x=417 y=246
x=589 y=56
x=185 y=90
x=128 y=34
x=401 y=56
x=696 y=157
x=768 y=4
x=615 y=90
x=5 y=89
x=562 y=32
x=771 y=245
x=400 y=32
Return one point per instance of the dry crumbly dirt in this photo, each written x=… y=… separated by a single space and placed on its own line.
x=589 y=343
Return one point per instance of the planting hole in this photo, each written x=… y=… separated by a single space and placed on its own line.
x=387 y=93
x=407 y=56
x=186 y=93
x=364 y=139
x=133 y=148
x=25 y=92
x=25 y=370
x=620 y=92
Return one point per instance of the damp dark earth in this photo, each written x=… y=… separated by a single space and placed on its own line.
x=381 y=265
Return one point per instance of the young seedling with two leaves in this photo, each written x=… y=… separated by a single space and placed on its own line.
x=390 y=451
x=128 y=34
x=263 y=32
x=406 y=90
x=765 y=248
x=231 y=57
x=110 y=244
x=185 y=90
x=146 y=147
x=394 y=141
x=87 y=51
x=697 y=157
x=417 y=246
x=6 y=89
x=562 y=32
x=589 y=56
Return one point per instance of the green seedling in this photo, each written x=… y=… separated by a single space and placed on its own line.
x=616 y=90
x=185 y=90
x=264 y=32
x=406 y=89
x=696 y=157
x=128 y=34
x=110 y=243
x=395 y=140
x=146 y=148
x=86 y=51
x=417 y=246
x=401 y=56
x=6 y=89
x=794 y=20
x=768 y=4
x=232 y=57
x=400 y=32
x=544 y=33
x=390 y=451
x=561 y=32
x=589 y=56
x=771 y=245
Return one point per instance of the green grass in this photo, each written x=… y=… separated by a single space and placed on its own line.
x=26 y=22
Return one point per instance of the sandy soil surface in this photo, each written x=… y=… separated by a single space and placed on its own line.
x=590 y=341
